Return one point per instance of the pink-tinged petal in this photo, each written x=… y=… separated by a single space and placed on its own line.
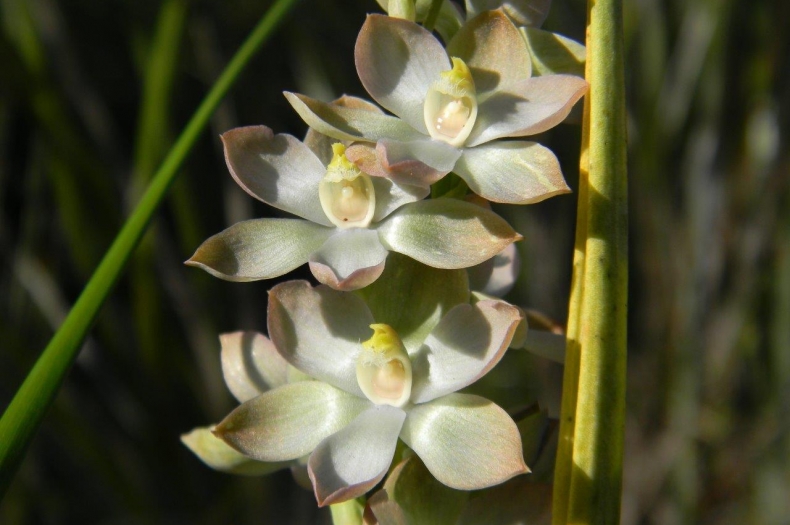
x=398 y=61
x=513 y=171
x=446 y=233
x=290 y=421
x=349 y=123
x=251 y=365
x=412 y=495
x=522 y=12
x=462 y=348
x=494 y=50
x=527 y=107
x=259 y=248
x=419 y=162
x=353 y=461
x=318 y=330
x=277 y=169
x=497 y=275
x=349 y=260
x=220 y=456
x=320 y=144
x=390 y=196
x=466 y=441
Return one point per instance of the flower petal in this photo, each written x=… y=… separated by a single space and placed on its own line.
x=446 y=233
x=412 y=495
x=546 y=344
x=466 y=441
x=513 y=171
x=345 y=123
x=259 y=248
x=220 y=456
x=277 y=169
x=494 y=50
x=554 y=54
x=320 y=144
x=412 y=297
x=523 y=12
x=250 y=364
x=349 y=260
x=526 y=108
x=397 y=61
x=497 y=275
x=390 y=196
x=351 y=462
x=420 y=162
x=466 y=344
x=290 y=421
x=318 y=330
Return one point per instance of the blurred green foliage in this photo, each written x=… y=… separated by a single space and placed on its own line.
x=91 y=94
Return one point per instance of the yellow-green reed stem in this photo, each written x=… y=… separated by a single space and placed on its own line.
x=588 y=479
x=27 y=408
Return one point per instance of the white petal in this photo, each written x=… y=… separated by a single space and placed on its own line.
x=446 y=233
x=259 y=248
x=397 y=61
x=467 y=442
x=220 y=456
x=349 y=260
x=390 y=196
x=523 y=12
x=513 y=171
x=290 y=421
x=250 y=364
x=466 y=344
x=351 y=462
x=497 y=275
x=277 y=169
x=494 y=50
x=319 y=330
x=526 y=108
x=420 y=162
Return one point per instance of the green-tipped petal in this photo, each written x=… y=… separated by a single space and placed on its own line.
x=462 y=348
x=349 y=123
x=412 y=494
x=220 y=456
x=554 y=54
x=523 y=12
x=290 y=421
x=277 y=169
x=349 y=260
x=251 y=365
x=494 y=50
x=397 y=61
x=259 y=248
x=318 y=330
x=526 y=108
x=466 y=441
x=446 y=233
x=514 y=172
x=353 y=461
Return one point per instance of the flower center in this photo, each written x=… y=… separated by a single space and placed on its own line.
x=450 y=107
x=384 y=369
x=346 y=193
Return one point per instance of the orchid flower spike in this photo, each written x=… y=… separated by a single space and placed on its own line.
x=371 y=389
x=453 y=106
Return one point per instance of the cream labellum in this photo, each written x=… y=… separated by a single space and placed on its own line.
x=346 y=194
x=450 y=108
x=384 y=369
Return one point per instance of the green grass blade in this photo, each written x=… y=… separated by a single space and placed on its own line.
x=590 y=457
x=26 y=410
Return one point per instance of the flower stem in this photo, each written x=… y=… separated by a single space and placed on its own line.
x=588 y=475
x=26 y=410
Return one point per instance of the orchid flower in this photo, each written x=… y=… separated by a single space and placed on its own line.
x=348 y=219
x=371 y=390
x=453 y=106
